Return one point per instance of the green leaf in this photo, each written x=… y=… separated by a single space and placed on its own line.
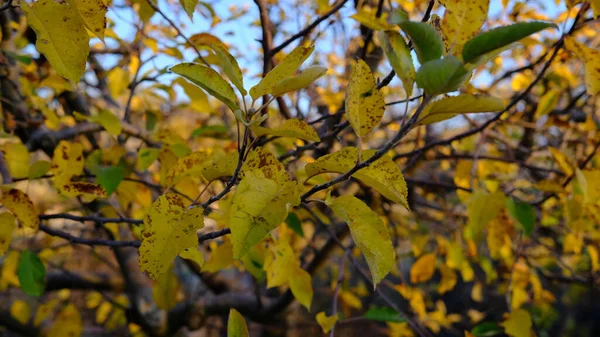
x=398 y=54
x=146 y=157
x=426 y=40
x=21 y=58
x=523 y=212
x=449 y=107
x=499 y=37
x=487 y=329
x=384 y=314
x=236 y=325
x=230 y=67
x=189 y=6
x=442 y=76
x=31 y=273
x=39 y=168
x=213 y=131
x=209 y=80
x=110 y=178
x=293 y=221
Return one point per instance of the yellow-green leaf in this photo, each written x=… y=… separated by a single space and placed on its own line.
x=221 y=165
x=259 y=205
x=236 y=325
x=194 y=255
x=209 y=80
x=290 y=128
x=482 y=209
x=283 y=70
x=191 y=165
x=518 y=323
x=61 y=36
x=461 y=22
x=189 y=6
x=169 y=228
x=67 y=323
x=398 y=54
x=17 y=159
x=364 y=103
x=383 y=175
x=368 y=232
x=93 y=15
x=19 y=204
x=449 y=107
x=7 y=226
x=230 y=67
x=164 y=291
x=326 y=322
x=109 y=121
x=591 y=60
x=547 y=102
x=39 y=168
x=422 y=270
x=301 y=286
x=368 y=19
x=306 y=77
x=220 y=258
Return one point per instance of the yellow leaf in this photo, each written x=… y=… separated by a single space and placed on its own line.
x=259 y=205
x=591 y=190
x=563 y=161
x=7 y=226
x=368 y=19
x=383 y=175
x=461 y=22
x=169 y=228
x=209 y=80
x=594 y=260
x=267 y=163
x=548 y=102
x=301 y=286
x=193 y=254
x=221 y=165
x=448 y=280
x=88 y=190
x=291 y=128
x=109 y=121
x=118 y=80
x=482 y=209
x=199 y=100
x=591 y=59
x=93 y=299
x=9 y=277
x=67 y=162
x=61 y=36
x=221 y=257
x=18 y=203
x=103 y=311
x=326 y=322
x=189 y=6
x=17 y=159
x=20 y=311
x=236 y=325
x=422 y=270
x=164 y=291
x=229 y=66
x=67 y=323
x=449 y=107
x=518 y=323
x=306 y=77
x=283 y=70
x=398 y=54
x=400 y=330
x=44 y=311
x=280 y=264
x=191 y=165
x=93 y=15
x=364 y=103
x=369 y=233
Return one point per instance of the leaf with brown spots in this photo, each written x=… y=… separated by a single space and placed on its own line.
x=364 y=103
x=291 y=128
x=82 y=188
x=93 y=15
x=61 y=36
x=591 y=59
x=169 y=228
x=383 y=175
x=461 y=22
x=7 y=226
x=67 y=162
x=19 y=204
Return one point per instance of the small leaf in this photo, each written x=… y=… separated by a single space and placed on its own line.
x=293 y=221
x=426 y=40
x=398 y=54
x=67 y=162
x=369 y=233
x=482 y=209
x=236 y=325
x=83 y=188
x=21 y=311
x=523 y=212
x=67 y=323
x=109 y=121
x=189 y=6
x=384 y=314
x=364 y=103
x=65 y=43
x=500 y=37
x=194 y=255
x=39 y=168
x=209 y=80
x=146 y=157
x=283 y=70
x=518 y=323
x=169 y=228
x=32 y=273
x=370 y=20
x=548 y=102
x=442 y=76
x=449 y=107
x=212 y=131
x=326 y=322
x=301 y=286
x=422 y=270
x=110 y=178
x=306 y=77
x=221 y=165
x=591 y=59
x=230 y=67
x=19 y=204
x=486 y=329
x=291 y=128
x=7 y=227
x=16 y=156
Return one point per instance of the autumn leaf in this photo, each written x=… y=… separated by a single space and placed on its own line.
x=368 y=232
x=449 y=107
x=67 y=323
x=422 y=270
x=236 y=325
x=461 y=22
x=93 y=15
x=398 y=54
x=306 y=77
x=16 y=156
x=209 y=80
x=290 y=128
x=482 y=209
x=19 y=204
x=591 y=61
x=169 y=228
x=189 y=6
x=7 y=226
x=229 y=66
x=67 y=162
x=364 y=102
x=518 y=324
x=61 y=36
x=164 y=291
x=326 y=322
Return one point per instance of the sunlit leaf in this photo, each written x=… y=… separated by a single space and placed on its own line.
x=290 y=128
x=364 y=103
x=462 y=21
x=93 y=15
x=518 y=324
x=230 y=67
x=449 y=107
x=422 y=270
x=19 y=204
x=209 y=80
x=591 y=61
x=398 y=54
x=306 y=77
